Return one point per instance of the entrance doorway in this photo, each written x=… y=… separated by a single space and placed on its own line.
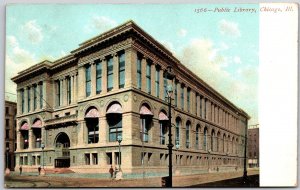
x=62 y=152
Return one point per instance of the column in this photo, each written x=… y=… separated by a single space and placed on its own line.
x=104 y=75
x=19 y=102
x=25 y=100
x=185 y=98
x=75 y=87
x=72 y=88
x=161 y=84
x=64 y=91
x=93 y=79
x=202 y=108
x=18 y=140
x=130 y=67
x=208 y=142
x=144 y=63
x=198 y=106
x=212 y=112
x=45 y=95
x=32 y=98
x=30 y=139
x=208 y=110
x=116 y=71
x=103 y=130
x=38 y=96
x=193 y=102
x=153 y=90
x=81 y=83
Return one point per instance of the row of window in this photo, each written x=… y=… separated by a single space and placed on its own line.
x=60 y=89
x=37 y=93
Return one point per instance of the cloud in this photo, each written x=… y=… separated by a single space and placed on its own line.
x=229 y=28
x=11 y=41
x=182 y=32
x=32 y=31
x=100 y=23
x=237 y=59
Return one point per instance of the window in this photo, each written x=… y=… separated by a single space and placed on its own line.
x=177 y=137
x=115 y=126
x=93 y=130
x=95 y=158
x=161 y=159
x=163 y=130
x=139 y=72
x=182 y=96
x=7 y=123
x=58 y=100
x=205 y=139
x=165 y=87
x=41 y=95
x=157 y=82
x=197 y=137
x=28 y=99
x=22 y=99
x=205 y=108
x=149 y=159
x=110 y=72
x=118 y=158
x=98 y=77
x=33 y=160
x=38 y=160
x=109 y=158
x=175 y=93
x=6 y=110
x=122 y=70
x=69 y=90
x=187 y=130
x=88 y=80
x=21 y=160
x=145 y=127
x=34 y=97
x=87 y=159
x=148 y=78
x=188 y=99
x=25 y=160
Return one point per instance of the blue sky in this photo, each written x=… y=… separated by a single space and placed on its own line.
x=221 y=48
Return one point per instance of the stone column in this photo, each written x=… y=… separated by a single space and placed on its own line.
x=208 y=110
x=161 y=84
x=19 y=102
x=32 y=98
x=144 y=64
x=185 y=98
x=81 y=83
x=45 y=95
x=93 y=79
x=103 y=130
x=72 y=88
x=18 y=140
x=30 y=139
x=193 y=102
x=25 y=100
x=116 y=71
x=198 y=106
x=64 y=91
x=212 y=112
x=130 y=67
x=81 y=124
x=104 y=75
x=153 y=90
x=75 y=89
x=38 y=96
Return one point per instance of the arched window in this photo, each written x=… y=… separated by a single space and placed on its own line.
x=114 y=120
x=224 y=137
x=92 y=124
x=24 y=135
x=37 y=132
x=187 y=132
x=163 y=124
x=212 y=141
x=177 y=132
x=205 y=139
x=197 y=136
x=146 y=122
x=218 y=141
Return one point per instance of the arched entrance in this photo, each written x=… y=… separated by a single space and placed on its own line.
x=62 y=152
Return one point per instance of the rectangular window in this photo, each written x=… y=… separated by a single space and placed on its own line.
x=58 y=100
x=6 y=110
x=205 y=108
x=161 y=156
x=118 y=158
x=110 y=72
x=69 y=90
x=22 y=99
x=33 y=160
x=109 y=158
x=38 y=160
x=41 y=95
x=25 y=160
x=28 y=100
x=157 y=82
x=175 y=94
x=95 y=158
x=145 y=126
x=34 y=97
x=182 y=96
x=7 y=123
x=162 y=131
x=122 y=70
x=87 y=159
x=21 y=160
x=98 y=77
x=201 y=106
x=188 y=99
x=139 y=72
x=7 y=133
x=149 y=159
x=88 y=80
x=148 y=78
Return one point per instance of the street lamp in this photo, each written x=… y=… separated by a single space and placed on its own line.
x=119 y=139
x=177 y=147
x=43 y=170
x=7 y=170
x=169 y=75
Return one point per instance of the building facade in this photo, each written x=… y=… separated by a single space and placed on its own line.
x=10 y=134
x=114 y=85
x=253 y=146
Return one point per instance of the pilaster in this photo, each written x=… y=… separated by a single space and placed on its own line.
x=130 y=67
x=93 y=79
x=81 y=83
x=153 y=90
x=104 y=75
x=116 y=71
x=144 y=63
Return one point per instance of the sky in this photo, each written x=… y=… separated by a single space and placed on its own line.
x=220 y=47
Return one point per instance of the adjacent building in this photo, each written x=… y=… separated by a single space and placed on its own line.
x=10 y=134
x=114 y=85
x=253 y=146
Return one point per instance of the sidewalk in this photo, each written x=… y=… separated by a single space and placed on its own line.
x=30 y=180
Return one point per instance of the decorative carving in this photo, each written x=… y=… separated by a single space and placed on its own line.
x=134 y=98
x=125 y=98
x=101 y=103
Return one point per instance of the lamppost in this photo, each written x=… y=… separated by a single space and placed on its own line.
x=177 y=147
x=119 y=139
x=169 y=75
x=7 y=170
x=43 y=170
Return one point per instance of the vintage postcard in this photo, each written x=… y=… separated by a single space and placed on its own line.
x=146 y=95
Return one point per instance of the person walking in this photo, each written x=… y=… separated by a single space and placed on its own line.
x=39 y=169
x=20 y=168
x=111 y=171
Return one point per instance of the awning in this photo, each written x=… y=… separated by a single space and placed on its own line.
x=37 y=124
x=145 y=111
x=25 y=126
x=163 y=117
x=114 y=108
x=93 y=113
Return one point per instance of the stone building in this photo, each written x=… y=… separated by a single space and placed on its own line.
x=253 y=146
x=114 y=84
x=10 y=134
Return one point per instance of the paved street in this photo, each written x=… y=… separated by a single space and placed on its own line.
x=212 y=179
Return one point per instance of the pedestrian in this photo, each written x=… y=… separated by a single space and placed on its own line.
x=20 y=168
x=111 y=171
x=39 y=169
x=116 y=170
